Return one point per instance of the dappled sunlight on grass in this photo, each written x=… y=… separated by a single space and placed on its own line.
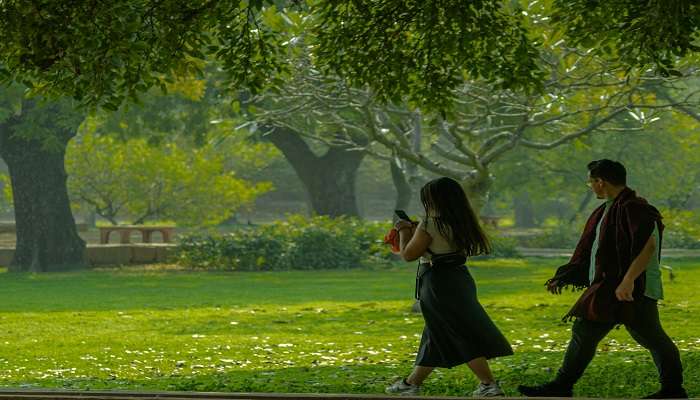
x=327 y=331
x=502 y=263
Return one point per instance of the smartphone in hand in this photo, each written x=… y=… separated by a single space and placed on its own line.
x=401 y=214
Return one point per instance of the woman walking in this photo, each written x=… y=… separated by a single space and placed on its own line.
x=457 y=328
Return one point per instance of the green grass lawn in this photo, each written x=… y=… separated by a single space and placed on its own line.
x=328 y=331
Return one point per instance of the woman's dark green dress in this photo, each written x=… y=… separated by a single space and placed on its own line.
x=457 y=328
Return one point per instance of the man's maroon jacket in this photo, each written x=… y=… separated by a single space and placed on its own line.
x=627 y=227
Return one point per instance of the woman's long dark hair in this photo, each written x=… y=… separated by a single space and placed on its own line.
x=454 y=216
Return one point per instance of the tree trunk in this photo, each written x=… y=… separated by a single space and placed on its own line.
x=404 y=177
x=47 y=238
x=403 y=188
x=524 y=211
x=91 y=219
x=477 y=189
x=329 y=179
x=582 y=206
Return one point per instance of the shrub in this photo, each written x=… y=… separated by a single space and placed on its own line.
x=679 y=240
x=316 y=248
x=504 y=247
x=297 y=243
x=682 y=229
x=302 y=243
x=559 y=237
x=682 y=232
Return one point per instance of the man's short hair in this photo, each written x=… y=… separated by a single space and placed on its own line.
x=609 y=171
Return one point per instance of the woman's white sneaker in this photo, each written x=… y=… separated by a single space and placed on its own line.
x=488 y=390
x=401 y=387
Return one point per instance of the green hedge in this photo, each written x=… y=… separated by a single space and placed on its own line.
x=680 y=240
x=682 y=232
x=297 y=243
x=563 y=236
x=300 y=243
x=682 y=229
x=503 y=247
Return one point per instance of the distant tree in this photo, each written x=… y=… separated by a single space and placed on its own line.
x=136 y=180
x=583 y=95
x=662 y=162
x=321 y=126
x=6 y=195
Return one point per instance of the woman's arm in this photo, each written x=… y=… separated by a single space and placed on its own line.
x=413 y=241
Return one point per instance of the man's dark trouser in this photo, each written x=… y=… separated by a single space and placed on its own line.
x=647 y=331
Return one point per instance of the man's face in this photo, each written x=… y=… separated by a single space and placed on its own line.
x=597 y=185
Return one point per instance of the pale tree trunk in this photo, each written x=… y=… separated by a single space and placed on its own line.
x=524 y=211
x=403 y=173
x=47 y=238
x=477 y=189
x=404 y=192
x=582 y=206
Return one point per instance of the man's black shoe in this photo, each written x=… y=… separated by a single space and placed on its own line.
x=664 y=393
x=551 y=389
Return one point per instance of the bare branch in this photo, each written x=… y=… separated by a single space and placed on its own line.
x=567 y=138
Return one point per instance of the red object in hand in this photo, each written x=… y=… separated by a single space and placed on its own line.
x=392 y=238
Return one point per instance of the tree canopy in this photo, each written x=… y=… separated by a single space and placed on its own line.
x=102 y=53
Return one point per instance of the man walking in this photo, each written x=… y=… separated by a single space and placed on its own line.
x=617 y=260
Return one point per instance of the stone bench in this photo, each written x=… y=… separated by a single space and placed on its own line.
x=490 y=220
x=125 y=231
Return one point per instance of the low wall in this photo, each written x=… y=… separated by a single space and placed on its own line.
x=9 y=227
x=114 y=254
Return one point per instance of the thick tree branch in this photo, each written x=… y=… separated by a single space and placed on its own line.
x=407 y=154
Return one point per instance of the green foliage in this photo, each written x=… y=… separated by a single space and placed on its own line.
x=425 y=48
x=503 y=247
x=661 y=157
x=101 y=53
x=561 y=236
x=680 y=240
x=189 y=186
x=11 y=97
x=367 y=235
x=682 y=229
x=638 y=33
x=296 y=243
x=6 y=195
x=51 y=122
x=300 y=243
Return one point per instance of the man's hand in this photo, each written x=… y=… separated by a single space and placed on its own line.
x=553 y=287
x=624 y=291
